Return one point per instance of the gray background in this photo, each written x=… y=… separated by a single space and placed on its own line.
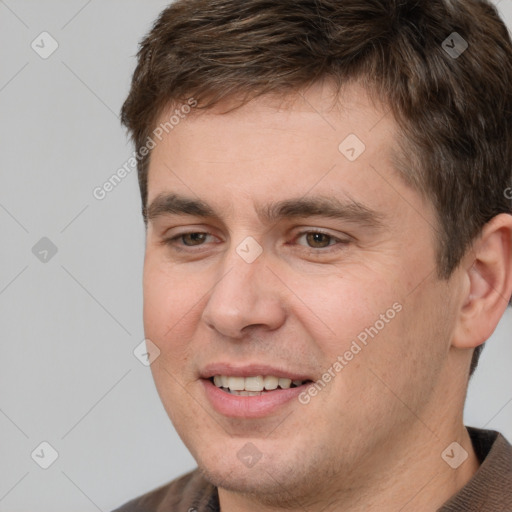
x=69 y=325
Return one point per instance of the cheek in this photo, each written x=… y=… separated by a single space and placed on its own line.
x=172 y=302
x=170 y=314
x=338 y=309
x=405 y=358
x=168 y=295
x=367 y=321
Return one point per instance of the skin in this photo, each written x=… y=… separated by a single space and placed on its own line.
x=372 y=439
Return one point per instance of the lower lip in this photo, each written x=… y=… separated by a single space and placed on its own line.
x=257 y=406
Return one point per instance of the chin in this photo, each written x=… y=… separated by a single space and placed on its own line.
x=232 y=479
x=267 y=477
x=265 y=485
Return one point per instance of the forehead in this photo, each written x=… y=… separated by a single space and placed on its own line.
x=277 y=147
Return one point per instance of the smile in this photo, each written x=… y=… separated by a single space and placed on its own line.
x=254 y=385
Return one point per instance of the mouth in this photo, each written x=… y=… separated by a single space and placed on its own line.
x=252 y=391
x=255 y=385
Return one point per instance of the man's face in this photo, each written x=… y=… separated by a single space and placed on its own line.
x=234 y=292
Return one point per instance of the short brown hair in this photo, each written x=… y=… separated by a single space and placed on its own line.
x=444 y=69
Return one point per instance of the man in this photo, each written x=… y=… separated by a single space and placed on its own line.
x=326 y=190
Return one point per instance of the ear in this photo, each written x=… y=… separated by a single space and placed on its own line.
x=487 y=272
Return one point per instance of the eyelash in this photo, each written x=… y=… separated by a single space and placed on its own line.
x=172 y=241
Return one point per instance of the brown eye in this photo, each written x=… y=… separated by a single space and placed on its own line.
x=193 y=238
x=188 y=240
x=318 y=243
x=318 y=240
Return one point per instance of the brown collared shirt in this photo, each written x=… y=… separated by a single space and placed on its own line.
x=489 y=490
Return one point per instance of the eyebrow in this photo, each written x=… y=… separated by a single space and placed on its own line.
x=320 y=206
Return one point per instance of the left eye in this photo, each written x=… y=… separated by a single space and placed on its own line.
x=317 y=239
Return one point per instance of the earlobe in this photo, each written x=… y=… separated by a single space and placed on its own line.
x=488 y=283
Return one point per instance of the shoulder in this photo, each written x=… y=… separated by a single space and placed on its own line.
x=184 y=494
x=490 y=488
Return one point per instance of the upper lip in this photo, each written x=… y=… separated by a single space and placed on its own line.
x=249 y=370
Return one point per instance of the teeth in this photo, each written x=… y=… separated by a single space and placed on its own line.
x=285 y=383
x=236 y=383
x=249 y=386
x=270 y=382
x=254 y=383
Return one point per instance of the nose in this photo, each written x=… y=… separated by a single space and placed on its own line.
x=245 y=295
